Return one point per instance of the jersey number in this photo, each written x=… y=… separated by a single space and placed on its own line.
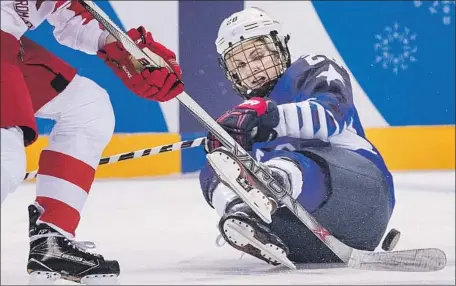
x=313 y=60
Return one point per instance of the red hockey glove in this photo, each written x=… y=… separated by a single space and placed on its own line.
x=250 y=122
x=152 y=83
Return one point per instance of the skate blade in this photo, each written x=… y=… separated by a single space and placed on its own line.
x=49 y=278
x=228 y=170
x=242 y=234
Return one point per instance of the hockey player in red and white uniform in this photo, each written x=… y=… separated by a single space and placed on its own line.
x=35 y=82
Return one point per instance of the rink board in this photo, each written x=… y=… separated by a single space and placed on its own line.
x=404 y=148
x=415 y=147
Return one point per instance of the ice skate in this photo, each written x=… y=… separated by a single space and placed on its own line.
x=53 y=256
x=245 y=231
x=233 y=174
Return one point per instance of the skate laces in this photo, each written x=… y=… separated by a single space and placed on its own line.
x=220 y=241
x=79 y=245
x=82 y=246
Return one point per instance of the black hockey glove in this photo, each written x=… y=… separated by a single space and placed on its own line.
x=250 y=122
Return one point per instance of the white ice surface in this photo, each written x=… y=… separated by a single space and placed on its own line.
x=163 y=232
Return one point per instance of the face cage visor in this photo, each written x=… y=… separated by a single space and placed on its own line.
x=253 y=65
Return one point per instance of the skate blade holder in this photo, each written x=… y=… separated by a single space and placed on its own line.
x=242 y=234
x=49 y=278
x=43 y=278
x=229 y=171
x=100 y=279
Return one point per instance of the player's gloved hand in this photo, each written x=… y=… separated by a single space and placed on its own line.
x=250 y=122
x=152 y=83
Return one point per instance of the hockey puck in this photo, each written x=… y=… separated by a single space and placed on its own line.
x=391 y=239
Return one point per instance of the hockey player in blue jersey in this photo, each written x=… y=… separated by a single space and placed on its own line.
x=299 y=120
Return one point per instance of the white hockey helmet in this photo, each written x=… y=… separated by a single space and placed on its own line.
x=244 y=26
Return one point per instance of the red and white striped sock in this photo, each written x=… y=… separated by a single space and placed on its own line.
x=63 y=184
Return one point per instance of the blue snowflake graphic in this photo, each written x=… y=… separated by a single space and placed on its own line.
x=395 y=48
x=445 y=9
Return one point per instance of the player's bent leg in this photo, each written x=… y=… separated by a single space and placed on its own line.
x=84 y=126
x=355 y=208
x=239 y=225
x=13 y=161
x=303 y=178
x=344 y=191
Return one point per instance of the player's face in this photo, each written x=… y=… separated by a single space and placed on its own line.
x=254 y=62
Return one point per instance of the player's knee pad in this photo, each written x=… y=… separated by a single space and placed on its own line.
x=13 y=161
x=84 y=120
x=86 y=114
x=96 y=112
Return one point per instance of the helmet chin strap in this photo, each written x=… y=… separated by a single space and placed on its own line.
x=263 y=91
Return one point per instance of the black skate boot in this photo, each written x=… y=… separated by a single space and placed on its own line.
x=53 y=256
x=245 y=231
x=34 y=214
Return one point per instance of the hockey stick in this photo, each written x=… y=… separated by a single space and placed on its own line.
x=140 y=153
x=417 y=260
